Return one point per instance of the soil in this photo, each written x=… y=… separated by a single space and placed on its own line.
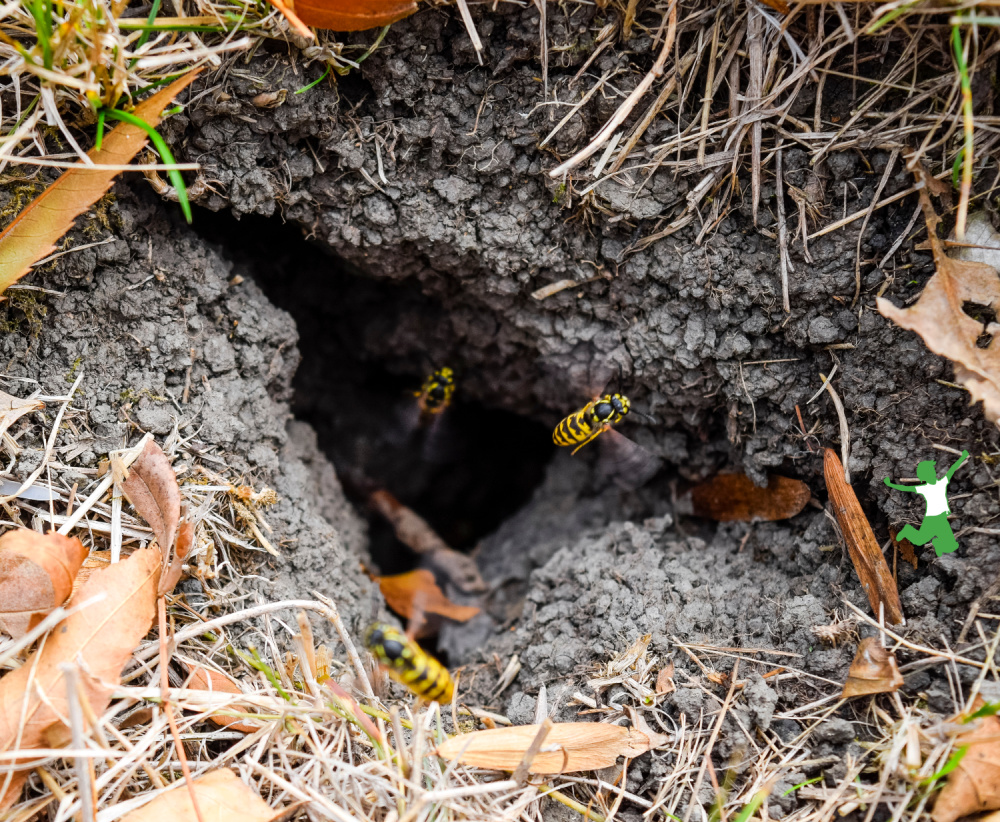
x=400 y=218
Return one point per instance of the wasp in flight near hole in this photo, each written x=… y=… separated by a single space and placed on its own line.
x=409 y=664
x=591 y=421
x=435 y=394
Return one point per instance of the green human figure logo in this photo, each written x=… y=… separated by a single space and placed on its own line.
x=935 y=525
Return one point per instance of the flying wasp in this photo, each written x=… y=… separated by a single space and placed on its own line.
x=409 y=664
x=435 y=394
x=623 y=461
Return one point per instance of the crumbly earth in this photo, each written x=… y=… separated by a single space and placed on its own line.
x=422 y=172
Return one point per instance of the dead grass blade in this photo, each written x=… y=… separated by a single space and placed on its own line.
x=13 y=408
x=36 y=576
x=569 y=747
x=938 y=316
x=35 y=231
x=221 y=796
x=869 y=562
x=873 y=671
x=33 y=699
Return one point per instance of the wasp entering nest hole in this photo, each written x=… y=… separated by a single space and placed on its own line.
x=367 y=347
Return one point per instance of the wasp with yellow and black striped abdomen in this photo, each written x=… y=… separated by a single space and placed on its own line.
x=409 y=664
x=435 y=394
x=591 y=421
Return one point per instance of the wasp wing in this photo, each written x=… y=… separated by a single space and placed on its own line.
x=625 y=462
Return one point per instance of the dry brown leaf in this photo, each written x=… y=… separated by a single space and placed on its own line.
x=352 y=15
x=938 y=316
x=103 y=635
x=205 y=679
x=569 y=747
x=416 y=533
x=873 y=671
x=222 y=797
x=13 y=408
x=869 y=562
x=416 y=593
x=185 y=542
x=35 y=231
x=152 y=489
x=734 y=498
x=36 y=575
x=665 y=680
x=974 y=785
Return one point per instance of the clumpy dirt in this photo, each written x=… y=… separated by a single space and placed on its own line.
x=147 y=313
x=401 y=215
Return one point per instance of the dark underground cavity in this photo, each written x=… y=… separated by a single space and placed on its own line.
x=466 y=473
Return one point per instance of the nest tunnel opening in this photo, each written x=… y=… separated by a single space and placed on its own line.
x=465 y=472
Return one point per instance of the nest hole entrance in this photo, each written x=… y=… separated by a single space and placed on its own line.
x=365 y=352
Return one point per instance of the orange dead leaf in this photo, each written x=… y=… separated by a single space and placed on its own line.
x=13 y=408
x=222 y=797
x=416 y=533
x=352 y=15
x=938 y=316
x=182 y=548
x=734 y=498
x=974 y=785
x=35 y=231
x=205 y=679
x=36 y=575
x=152 y=489
x=103 y=635
x=869 y=562
x=416 y=593
x=873 y=671
x=568 y=747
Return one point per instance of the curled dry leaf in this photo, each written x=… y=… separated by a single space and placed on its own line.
x=34 y=232
x=938 y=316
x=352 y=15
x=569 y=747
x=13 y=408
x=182 y=549
x=873 y=671
x=415 y=593
x=869 y=562
x=36 y=575
x=734 y=498
x=152 y=489
x=905 y=548
x=222 y=797
x=205 y=679
x=102 y=635
x=974 y=785
x=416 y=533
x=665 y=680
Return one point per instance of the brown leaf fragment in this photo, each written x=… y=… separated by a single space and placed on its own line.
x=35 y=231
x=182 y=549
x=873 y=671
x=938 y=316
x=665 y=680
x=416 y=593
x=869 y=562
x=352 y=15
x=36 y=575
x=735 y=498
x=205 y=679
x=974 y=785
x=906 y=549
x=569 y=747
x=221 y=795
x=102 y=635
x=13 y=408
x=416 y=533
x=152 y=489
